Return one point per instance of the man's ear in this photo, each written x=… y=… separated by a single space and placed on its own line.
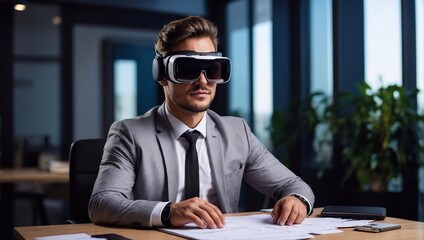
x=163 y=82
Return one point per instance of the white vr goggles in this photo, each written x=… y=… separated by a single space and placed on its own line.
x=186 y=67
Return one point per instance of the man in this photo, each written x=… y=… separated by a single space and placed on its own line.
x=142 y=180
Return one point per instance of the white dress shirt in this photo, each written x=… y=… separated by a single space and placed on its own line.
x=207 y=190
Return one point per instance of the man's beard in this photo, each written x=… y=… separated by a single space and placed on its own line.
x=190 y=107
x=194 y=108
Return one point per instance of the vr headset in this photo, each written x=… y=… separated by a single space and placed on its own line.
x=186 y=67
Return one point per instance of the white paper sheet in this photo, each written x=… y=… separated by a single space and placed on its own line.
x=74 y=236
x=260 y=226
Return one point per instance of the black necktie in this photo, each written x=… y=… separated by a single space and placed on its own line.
x=191 y=165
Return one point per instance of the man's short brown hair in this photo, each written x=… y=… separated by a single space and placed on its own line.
x=179 y=30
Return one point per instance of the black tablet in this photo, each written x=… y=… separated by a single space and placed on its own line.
x=354 y=212
x=110 y=236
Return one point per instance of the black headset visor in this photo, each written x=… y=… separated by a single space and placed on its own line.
x=186 y=67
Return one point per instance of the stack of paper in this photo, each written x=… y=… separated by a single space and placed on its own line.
x=261 y=227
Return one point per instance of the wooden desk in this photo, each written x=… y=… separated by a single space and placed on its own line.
x=22 y=233
x=410 y=230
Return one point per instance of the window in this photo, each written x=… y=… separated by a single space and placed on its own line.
x=238 y=32
x=321 y=46
x=383 y=61
x=321 y=62
x=125 y=91
x=262 y=69
x=251 y=93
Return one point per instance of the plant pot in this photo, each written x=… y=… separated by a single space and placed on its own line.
x=378 y=184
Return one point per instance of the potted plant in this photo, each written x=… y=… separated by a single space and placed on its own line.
x=378 y=132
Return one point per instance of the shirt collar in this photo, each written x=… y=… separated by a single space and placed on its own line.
x=179 y=127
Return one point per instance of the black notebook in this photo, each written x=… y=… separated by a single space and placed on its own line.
x=110 y=236
x=355 y=212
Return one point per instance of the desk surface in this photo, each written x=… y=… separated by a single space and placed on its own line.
x=409 y=230
x=19 y=175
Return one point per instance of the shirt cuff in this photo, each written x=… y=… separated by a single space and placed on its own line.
x=305 y=201
x=155 y=217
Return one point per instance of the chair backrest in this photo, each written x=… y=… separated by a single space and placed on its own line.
x=84 y=159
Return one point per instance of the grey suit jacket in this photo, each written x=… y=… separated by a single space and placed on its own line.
x=139 y=168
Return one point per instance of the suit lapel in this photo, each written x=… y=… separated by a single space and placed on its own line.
x=216 y=155
x=164 y=136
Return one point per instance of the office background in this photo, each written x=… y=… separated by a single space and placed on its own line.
x=69 y=68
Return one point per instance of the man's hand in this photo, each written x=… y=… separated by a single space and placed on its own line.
x=198 y=211
x=289 y=210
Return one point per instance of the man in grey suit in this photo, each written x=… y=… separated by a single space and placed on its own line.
x=142 y=180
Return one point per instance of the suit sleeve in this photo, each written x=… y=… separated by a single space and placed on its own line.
x=112 y=201
x=269 y=176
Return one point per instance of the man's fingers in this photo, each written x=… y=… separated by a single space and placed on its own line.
x=292 y=217
x=299 y=218
x=288 y=211
x=206 y=218
x=198 y=211
x=198 y=221
x=284 y=214
x=280 y=213
x=212 y=216
x=276 y=213
x=217 y=214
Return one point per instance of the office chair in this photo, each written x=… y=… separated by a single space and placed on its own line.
x=84 y=159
